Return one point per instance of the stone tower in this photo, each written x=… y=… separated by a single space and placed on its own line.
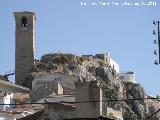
x=25 y=48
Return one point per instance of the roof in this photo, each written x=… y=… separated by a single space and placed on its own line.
x=34 y=116
x=6 y=116
x=99 y=118
x=27 y=108
x=60 y=98
x=24 y=12
x=11 y=87
x=22 y=111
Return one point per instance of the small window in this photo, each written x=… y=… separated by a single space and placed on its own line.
x=24 y=22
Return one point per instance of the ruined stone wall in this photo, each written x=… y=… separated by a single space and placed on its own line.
x=89 y=97
x=67 y=91
x=45 y=85
x=64 y=79
x=107 y=59
x=59 y=112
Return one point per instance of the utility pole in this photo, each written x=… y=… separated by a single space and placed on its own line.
x=157 y=23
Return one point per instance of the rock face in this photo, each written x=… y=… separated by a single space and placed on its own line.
x=116 y=93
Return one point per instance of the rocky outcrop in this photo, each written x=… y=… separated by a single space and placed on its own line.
x=117 y=94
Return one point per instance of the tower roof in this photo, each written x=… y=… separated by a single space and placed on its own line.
x=24 y=12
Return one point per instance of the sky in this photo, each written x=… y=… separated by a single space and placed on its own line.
x=89 y=27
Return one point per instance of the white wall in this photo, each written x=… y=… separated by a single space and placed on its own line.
x=129 y=77
x=113 y=64
x=8 y=99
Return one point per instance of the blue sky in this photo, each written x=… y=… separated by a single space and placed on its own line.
x=65 y=25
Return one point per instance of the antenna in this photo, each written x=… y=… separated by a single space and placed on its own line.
x=8 y=74
x=157 y=42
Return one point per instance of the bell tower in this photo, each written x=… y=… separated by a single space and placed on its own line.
x=25 y=47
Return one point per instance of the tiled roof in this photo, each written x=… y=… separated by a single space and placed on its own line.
x=10 y=84
x=60 y=98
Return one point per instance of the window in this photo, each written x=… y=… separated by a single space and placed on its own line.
x=24 y=22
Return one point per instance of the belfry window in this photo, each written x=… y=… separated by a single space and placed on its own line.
x=24 y=22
